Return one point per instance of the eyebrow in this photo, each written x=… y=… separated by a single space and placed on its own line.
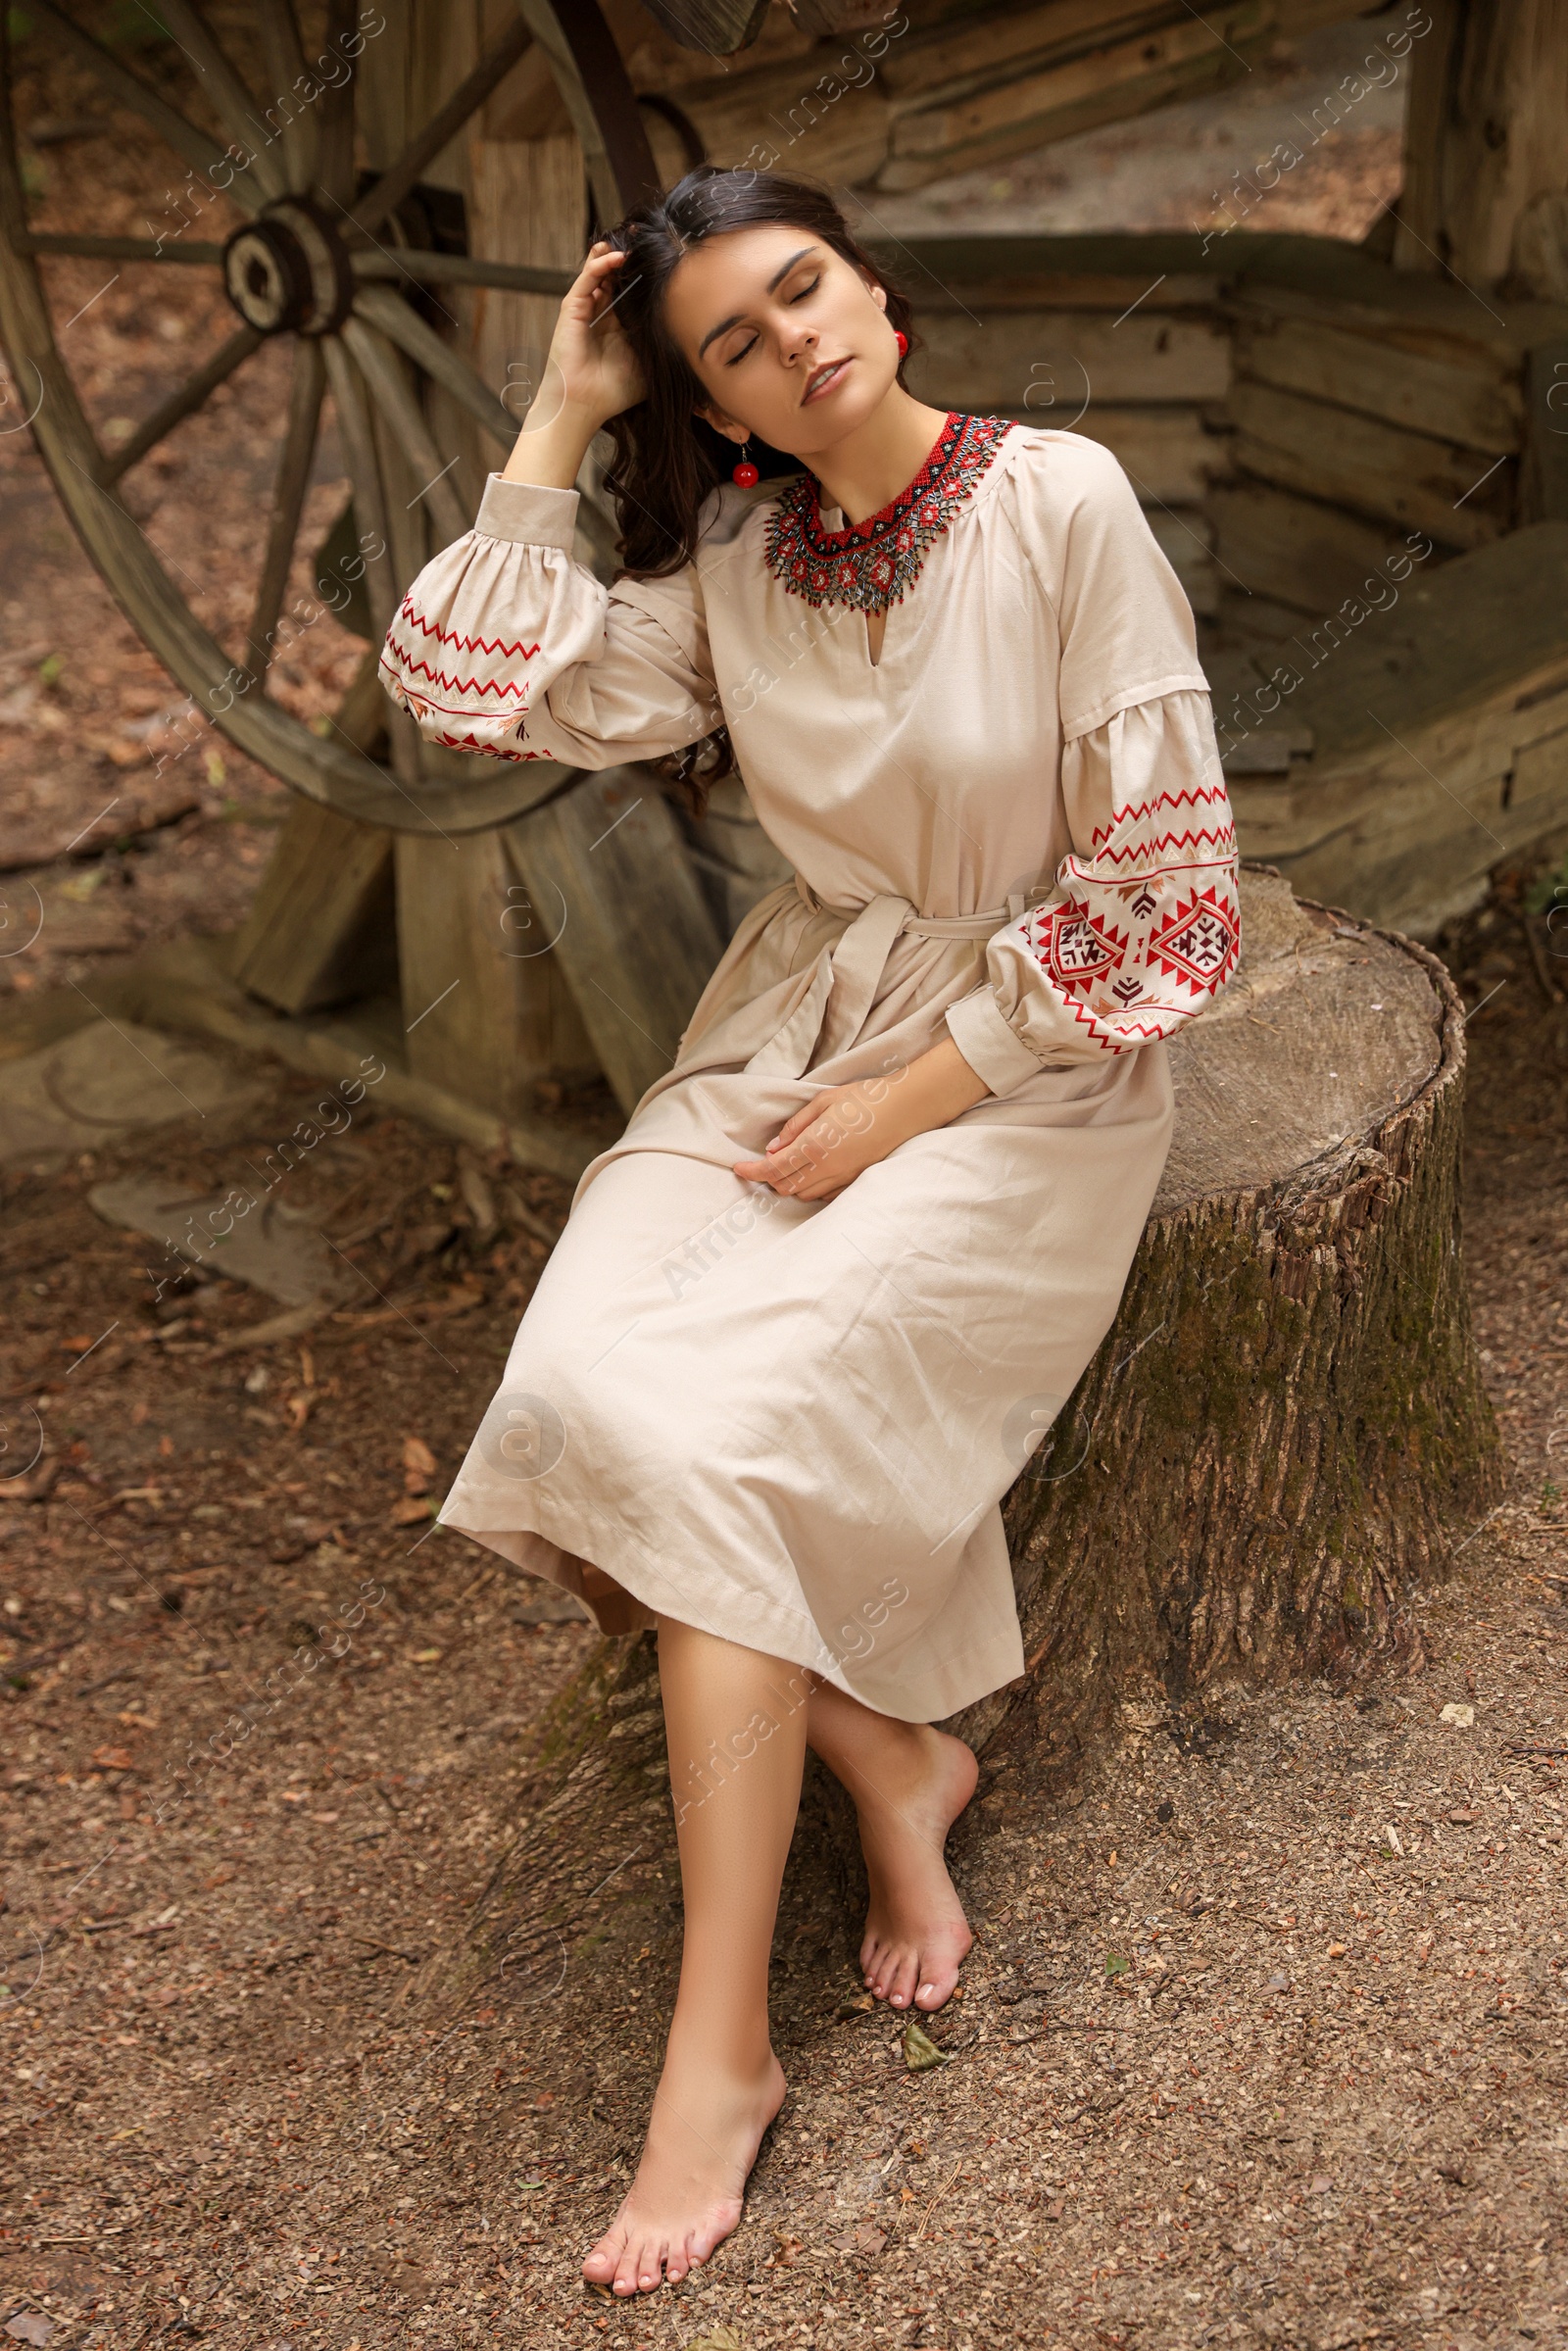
x=777 y=279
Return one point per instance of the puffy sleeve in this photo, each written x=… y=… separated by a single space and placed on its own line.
x=1141 y=927
x=505 y=647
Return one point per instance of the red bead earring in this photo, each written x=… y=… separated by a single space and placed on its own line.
x=746 y=473
x=902 y=340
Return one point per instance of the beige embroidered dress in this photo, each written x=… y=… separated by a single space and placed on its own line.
x=792 y=1423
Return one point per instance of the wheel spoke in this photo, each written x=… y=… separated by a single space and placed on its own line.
x=231 y=101
x=446 y=367
x=443 y=126
x=179 y=405
x=461 y=270
x=382 y=371
x=183 y=137
x=365 y=475
x=361 y=717
x=288 y=496
x=122 y=249
x=335 y=113
x=285 y=69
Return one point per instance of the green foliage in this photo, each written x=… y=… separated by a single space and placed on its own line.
x=1548 y=890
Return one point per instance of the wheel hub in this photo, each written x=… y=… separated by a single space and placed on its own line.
x=287 y=272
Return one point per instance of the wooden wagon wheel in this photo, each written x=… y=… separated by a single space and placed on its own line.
x=311 y=260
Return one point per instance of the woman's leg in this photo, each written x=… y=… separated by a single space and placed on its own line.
x=909 y=1782
x=735 y=1722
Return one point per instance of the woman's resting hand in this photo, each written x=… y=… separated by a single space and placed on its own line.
x=848 y=1128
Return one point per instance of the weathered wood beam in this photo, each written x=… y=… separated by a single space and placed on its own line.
x=320 y=926
x=1463 y=497
x=1439 y=726
x=894 y=108
x=485 y=1013
x=1484 y=137
x=610 y=884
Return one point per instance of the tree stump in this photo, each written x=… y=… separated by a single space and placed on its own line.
x=1285 y=1428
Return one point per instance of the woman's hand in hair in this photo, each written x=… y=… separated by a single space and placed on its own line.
x=847 y=1129
x=590 y=376
x=592 y=368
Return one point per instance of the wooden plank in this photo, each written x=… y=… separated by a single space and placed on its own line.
x=1172 y=457
x=1171 y=266
x=1440 y=730
x=1482 y=630
x=1478 y=405
x=1035 y=110
x=796 y=117
x=1484 y=135
x=1464 y=497
x=187 y=985
x=1443 y=323
x=1409 y=859
x=1187 y=541
x=1036 y=360
x=320 y=926
x=1162 y=293
x=527 y=202
x=606 y=870
x=485 y=1013
x=1294 y=551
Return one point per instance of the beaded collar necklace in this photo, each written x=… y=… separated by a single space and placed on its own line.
x=875 y=563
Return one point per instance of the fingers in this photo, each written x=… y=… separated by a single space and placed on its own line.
x=795 y=1124
x=592 y=279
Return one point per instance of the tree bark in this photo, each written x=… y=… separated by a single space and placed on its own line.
x=1284 y=1432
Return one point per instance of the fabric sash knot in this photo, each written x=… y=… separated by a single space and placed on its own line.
x=843 y=979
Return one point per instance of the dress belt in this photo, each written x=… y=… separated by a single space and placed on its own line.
x=840 y=986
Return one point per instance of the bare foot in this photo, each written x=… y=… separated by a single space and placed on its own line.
x=916 y=1931
x=690 y=2187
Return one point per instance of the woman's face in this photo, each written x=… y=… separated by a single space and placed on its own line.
x=789 y=340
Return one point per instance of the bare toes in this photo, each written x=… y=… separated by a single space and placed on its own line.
x=903 y=1979
x=603 y=2262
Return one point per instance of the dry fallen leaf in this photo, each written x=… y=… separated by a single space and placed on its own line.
x=112 y=1760
x=30 y=2326
x=412 y=1509
x=920 y=2051
x=417 y=1455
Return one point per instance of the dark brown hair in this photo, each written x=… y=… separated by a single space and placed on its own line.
x=668 y=461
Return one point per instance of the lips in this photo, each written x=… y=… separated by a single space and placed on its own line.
x=821 y=377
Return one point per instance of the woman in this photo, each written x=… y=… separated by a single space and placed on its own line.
x=813 y=1309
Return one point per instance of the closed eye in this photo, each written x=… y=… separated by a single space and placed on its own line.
x=749 y=347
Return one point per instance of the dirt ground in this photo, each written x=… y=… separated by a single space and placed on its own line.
x=1263 y=2037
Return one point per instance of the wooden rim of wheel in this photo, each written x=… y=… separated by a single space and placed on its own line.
x=305 y=263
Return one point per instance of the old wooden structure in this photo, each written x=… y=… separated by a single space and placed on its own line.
x=1356 y=457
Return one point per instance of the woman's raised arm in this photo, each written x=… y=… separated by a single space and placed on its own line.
x=504 y=645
